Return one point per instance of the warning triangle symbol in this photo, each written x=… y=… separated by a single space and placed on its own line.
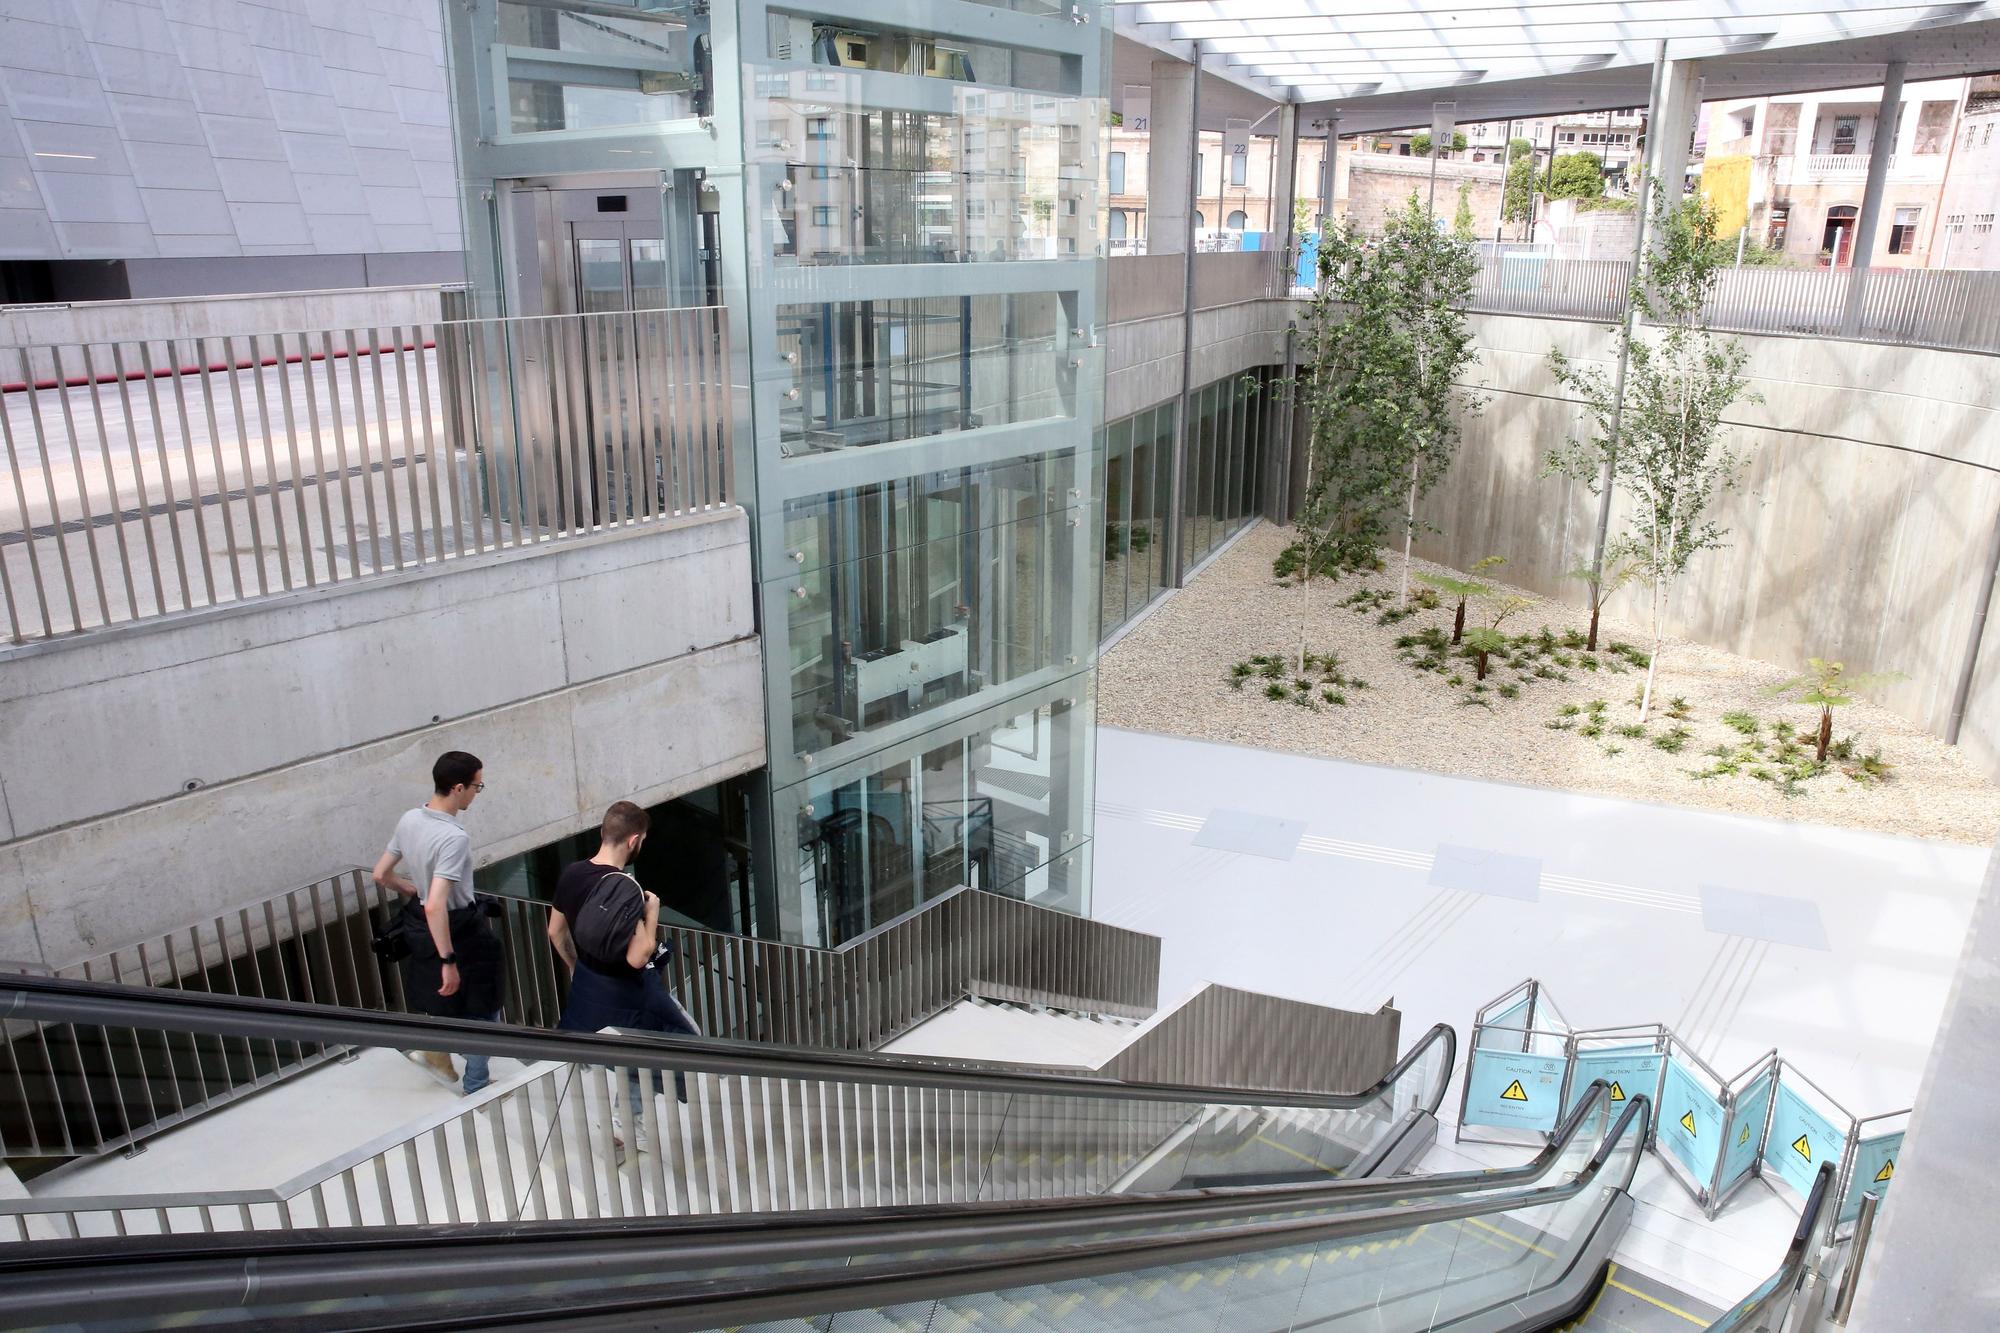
x=1687 y=1122
x=1617 y=1093
x=1515 y=1092
x=1888 y=1171
x=1802 y=1147
x=1744 y=1137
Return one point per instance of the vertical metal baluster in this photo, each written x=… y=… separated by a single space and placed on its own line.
x=117 y=508
x=598 y=377
x=221 y=487
x=21 y=507
x=468 y=1138
x=396 y=340
x=725 y=423
x=49 y=487
x=82 y=481
x=663 y=411
x=173 y=1074
x=284 y=369
x=123 y=380
x=486 y=466
x=687 y=333
x=328 y=533
x=560 y=477
x=271 y=492
x=364 y=459
x=712 y=409
x=414 y=1172
x=333 y=413
x=645 y=409
x=431 y=459
x=229 y=365
x=581 y=439
x=197 y=497
x=388 y=447
x=466 y=478
x=441 y=1150
x=521 y=448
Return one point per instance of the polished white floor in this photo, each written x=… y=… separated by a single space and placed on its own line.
x=1606 y=909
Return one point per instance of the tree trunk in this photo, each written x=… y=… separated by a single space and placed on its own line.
x=1410 y=527
x=1590 y=640
x=1482 y=666
x=1458 y=622
x=1825 y=732
x=1652 y=660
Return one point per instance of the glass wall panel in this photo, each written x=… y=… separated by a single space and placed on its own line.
x=1142 y=534
x=1117 y=525
x=870 y=372
x=1001 y=808
x=863 y=45
x=648 y=75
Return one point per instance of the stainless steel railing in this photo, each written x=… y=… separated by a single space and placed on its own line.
x=147 y=478
x=81 y=1093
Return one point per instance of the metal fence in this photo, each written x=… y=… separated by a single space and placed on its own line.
x=1949 y=309
x=146 y=478
x=82 y=1092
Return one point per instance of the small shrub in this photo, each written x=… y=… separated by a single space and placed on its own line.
x=1673 y=740
x=1587 y=662
x=1572 y=638
x=1356 y=683
x=1334 y=697
x=1560 y=724
x=1476 y=701
x=1763 y=774
x=1741 y=722
x=1679 y=709
x=1274 y=691
x=1568 y=710
x=1614 y=749
x=1871 y=767
x=1272 y=668
x=1784 y=731
x=1632 y=731
x=1591 y=729
x=1842 y=749
x=1510 y=691
x=1454 y=680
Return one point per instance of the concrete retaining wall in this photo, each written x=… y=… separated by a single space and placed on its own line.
x=1145 y=354
x=158 y=773
x=1864 y=522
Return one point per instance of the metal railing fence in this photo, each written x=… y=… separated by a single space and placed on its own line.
x=1948 y=309
x=77 y=1092
x=146 y=478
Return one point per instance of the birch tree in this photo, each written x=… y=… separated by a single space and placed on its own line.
x=1663 y=446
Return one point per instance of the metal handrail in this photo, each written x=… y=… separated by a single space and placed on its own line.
x=137 y=1273
x=1774 y=1294
x=53 y=1000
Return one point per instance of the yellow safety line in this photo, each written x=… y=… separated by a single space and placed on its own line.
x=1584 y=1318
x=1526 y=1245
x=1321 y=1166
x=1654 y=1300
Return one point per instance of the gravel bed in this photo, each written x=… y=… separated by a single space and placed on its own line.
x=1170 y=674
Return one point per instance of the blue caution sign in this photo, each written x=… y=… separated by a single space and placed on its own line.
x=1746 y=1128
x=1516 y=1091
x=1801 y=1138
x=1632 y=1071
x=1874 y=1170
x=1690 y=1123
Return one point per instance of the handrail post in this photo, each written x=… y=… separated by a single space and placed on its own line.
x=1850 y=1280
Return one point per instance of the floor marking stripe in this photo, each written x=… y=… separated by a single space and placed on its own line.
x=1654 y=1300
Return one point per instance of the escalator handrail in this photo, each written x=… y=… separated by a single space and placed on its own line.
x=1781 y=1284
x=438 y=1257
x=107 y=1004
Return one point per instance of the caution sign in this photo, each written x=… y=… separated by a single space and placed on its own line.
x=1802 y=1136
x=1743 y=1137
x=1695 y=1142
x=1750 y=1108
x=1514 y=1090
x=1887 y=1173
x=1802 y=1145
x=1687 y=1123
x=1632 y=1071
x=1617 y=1091
x=1874 y=1171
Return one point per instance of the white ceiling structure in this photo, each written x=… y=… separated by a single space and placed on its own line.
x=1382 y=63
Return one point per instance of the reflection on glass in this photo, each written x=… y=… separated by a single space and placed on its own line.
x=600 y=276
x=858 y=45
x=648 y=74
x=869 y=372
x=1000 y=809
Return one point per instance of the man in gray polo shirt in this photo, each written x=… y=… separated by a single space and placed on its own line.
x=453 y=970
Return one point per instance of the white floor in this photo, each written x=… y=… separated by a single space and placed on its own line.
x=1616 y=932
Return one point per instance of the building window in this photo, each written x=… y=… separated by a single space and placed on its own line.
x=1987 y=138
x=1237 y=221
x=1117 y=173
x=1903 y=232
x=819 y=128
x=1119 y=227
x=1933 y=127
x=1238 y=166
x=1199 y=220
x=1982 y=223
x=1836 y=239
x=822 y=215
x=1200 y=166
x=1479 y=157
x=1781 y=218
x=1567 y=136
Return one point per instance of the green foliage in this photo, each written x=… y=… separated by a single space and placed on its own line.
x=1510 y=691
x=1576 y=176
x=1517 y=196
x=1328 y=561
x=1741 y=722
x=1673 y=740
x=1519 y=148
x=1631 y=731
x=1387 y=347
x=1274 y=691
x=1420 y=143
x=1462 y=220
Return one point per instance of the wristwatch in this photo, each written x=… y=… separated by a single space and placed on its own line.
x=449 y=960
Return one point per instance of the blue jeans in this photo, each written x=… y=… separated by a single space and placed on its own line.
x=479 y=1068
x=636 y=1004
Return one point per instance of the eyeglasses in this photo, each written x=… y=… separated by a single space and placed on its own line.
x=479 y=786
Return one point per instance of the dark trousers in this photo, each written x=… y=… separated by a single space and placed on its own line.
x=634 y=1004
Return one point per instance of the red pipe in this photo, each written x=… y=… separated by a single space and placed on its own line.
x=82 y=381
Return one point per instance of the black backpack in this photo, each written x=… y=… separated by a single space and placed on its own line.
x=609 y=914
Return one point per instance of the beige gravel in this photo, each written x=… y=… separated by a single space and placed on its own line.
x=1169 y=674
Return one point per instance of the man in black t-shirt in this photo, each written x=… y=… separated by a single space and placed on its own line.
x=613 y=987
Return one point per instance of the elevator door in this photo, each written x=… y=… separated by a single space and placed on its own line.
x=616 y=266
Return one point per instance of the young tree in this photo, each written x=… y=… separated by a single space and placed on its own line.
x=1603 y=584
x=1663 y=444
x=1576 y=176
x=1463 y=589
x=1461 y=222
x=1387 y=342
x=1518 y=194
x=1828 y=686
x=1487 y=639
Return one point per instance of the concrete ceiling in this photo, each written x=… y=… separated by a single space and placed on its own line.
x=1504 y=62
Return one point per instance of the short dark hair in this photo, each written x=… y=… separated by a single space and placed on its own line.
x=622 y=821
x=454 y=768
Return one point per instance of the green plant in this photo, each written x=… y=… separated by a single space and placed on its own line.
x=1842 y=749
x=1561 y=724
x=1673 y=740
x=1828 y=686
x=1454 y=680
x=1631 y=730
x=1657 y=436
x=1591 y=729
x=1679 y=709
x=1335 y=697
x=1568 y=710
x=1274 y=691
x=1601 y=585
x=1741 y=722
x=1614 y=749
x=1464 y=590
x=1576 y=176
x=1871 y=767
x=1510 y=691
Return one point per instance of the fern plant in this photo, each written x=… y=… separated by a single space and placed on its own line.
x=1828 y=686
x=1465 y=590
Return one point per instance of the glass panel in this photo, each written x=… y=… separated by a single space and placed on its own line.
x=647 y=75
x=600 y=276
x=1142 y=536
x=1117 y=525
x=801 y=38
x=871 y=372
x=1166 y=495
x=649 y=274
x=985 y=496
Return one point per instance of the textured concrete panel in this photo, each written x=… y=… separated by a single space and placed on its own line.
x=1250 y=833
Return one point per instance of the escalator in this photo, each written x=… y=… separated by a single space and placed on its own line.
x=968 y=1196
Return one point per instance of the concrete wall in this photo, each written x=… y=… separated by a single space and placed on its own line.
x=152 y=774
x=1379 y=186
x=1865 y=518
x=1145 y=354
